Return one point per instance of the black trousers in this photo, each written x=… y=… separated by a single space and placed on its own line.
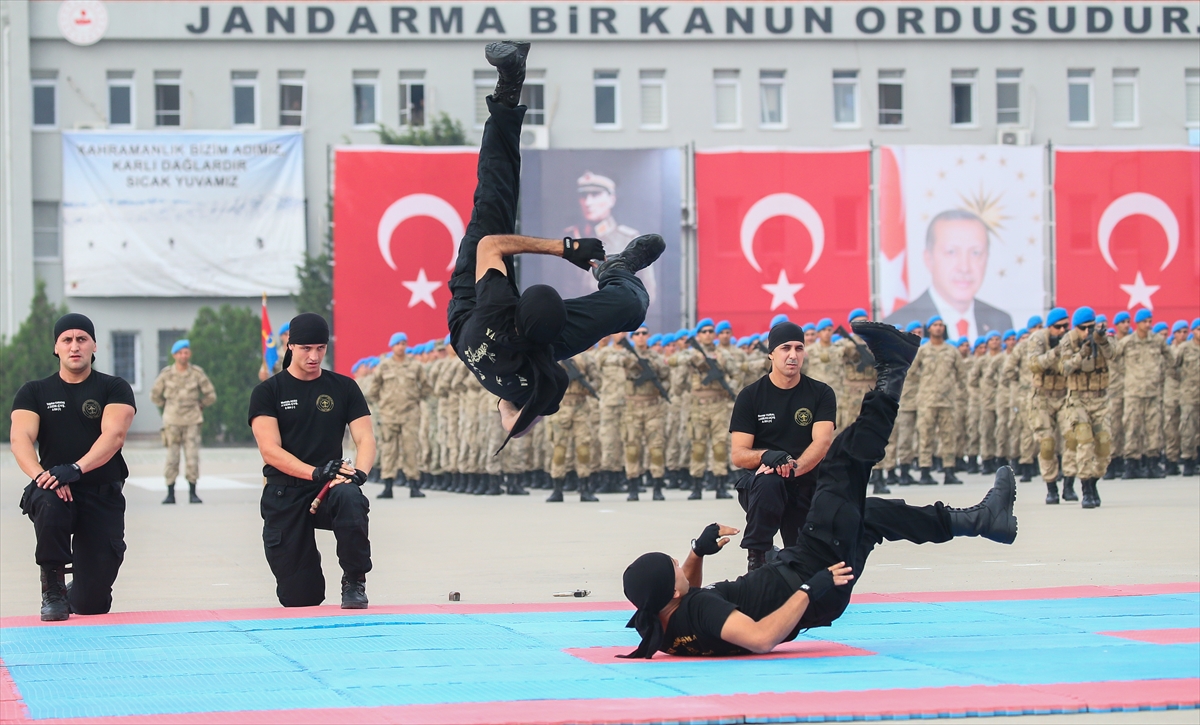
x=618 y=306
x=291 y=546
x=773 y=504
x=843 y=524
x=88 y=533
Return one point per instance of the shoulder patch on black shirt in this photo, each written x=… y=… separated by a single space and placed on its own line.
x=91 y=409
x=804 y=417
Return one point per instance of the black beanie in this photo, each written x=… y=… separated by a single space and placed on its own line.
x=784 y=332
x=649 y=585
x=541 y=314
x=308 y=328
x=74 y=321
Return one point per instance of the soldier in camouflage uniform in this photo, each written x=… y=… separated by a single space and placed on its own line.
x=449 y=405
x=571 y=430
x=1147 y=363
x=941 y=371
x=1014 y=366
x=858 y=374
x=1122 y=327
x=182 y=391
x=610 y=364
x=987 y=371
x=708 y=421
x=1046 y=404
x=678 y=440
x=1187 y=367
x=824 y=362
x=1172 y=400
x=1084 y=353
x=397 y=387
x=645 y=412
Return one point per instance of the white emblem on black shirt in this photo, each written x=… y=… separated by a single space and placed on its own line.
x=91 y=408
x=766 y=417
x=56 y=406
x=289 y=404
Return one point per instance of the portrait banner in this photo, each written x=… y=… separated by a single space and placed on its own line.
x=612 y=195
x=962 y=235
x=399 y=214
x=1126 y=225
x=782 y=231
x=182 y=213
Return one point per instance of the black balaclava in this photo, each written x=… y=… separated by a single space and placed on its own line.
x=784 y=332
x=541 y=314
x=649 y=585
x=307 y=328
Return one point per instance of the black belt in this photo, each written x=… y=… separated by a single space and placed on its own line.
x=788 y=574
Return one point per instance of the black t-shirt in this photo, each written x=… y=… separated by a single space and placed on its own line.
x=70 y=416
x=312 y=414
x=694 y=630
x=488 y=344
x=782 y=420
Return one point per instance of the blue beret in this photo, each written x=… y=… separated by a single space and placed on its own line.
x=990 y=335
x=654 y=339
x=1196 y=323
x=706 y=322
x=397 y=338
x=1082 y=316
x=964 y=340
x=724 y=325
x=354 y=368
x=809 y=326
x=1022 y=332
x=931 y=320
x=1159 y=326
x=924 y=341
x=179 y=345
x=824 y=324
x=285 y=327
x=1056 y=315
x=1179 y=325
x=1143 y=314
x=912 y=326
x=682 y=332
x=778 y=319
x=1101 y=320
x=1120 y=317
x=1009 y=333
x=835 y=337
x=978 y=341
x=1034 y=321
x=855 y=314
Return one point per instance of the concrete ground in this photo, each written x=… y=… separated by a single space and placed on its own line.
x=519 y=549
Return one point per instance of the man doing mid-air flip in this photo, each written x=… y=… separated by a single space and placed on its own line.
x=809 y=583
x=511 y=340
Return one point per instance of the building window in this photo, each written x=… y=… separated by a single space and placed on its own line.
x=366 y=98
x=120 y=98
x=291 y=98
x=126 y=356
x=845 y=99
x=727 y=99
x=1125 y=97
x=167 y=338
x=45 y=98
x=245 y=98
x=1191 y=95
x=485 y=83
x=607 y=101
x=891 y=98
x=653 y=98
x=166 y=98
x=533 y=97
x=771 y=98
x=412 y=98
x=45 y=231
x=962 y=97
x=1079 y=97
x=1008 y=97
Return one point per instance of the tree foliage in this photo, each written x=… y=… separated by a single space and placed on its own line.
x=29 y=354
x=227 y=344
x=444 y=131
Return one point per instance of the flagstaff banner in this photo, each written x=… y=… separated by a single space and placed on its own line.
x=182 y=214
x=1126 y=224
x=399 y=213
x=782 y=231
x=961 y=235
x=612 y=195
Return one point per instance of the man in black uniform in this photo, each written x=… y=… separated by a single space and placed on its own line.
x=809 y=585
x=509 y=340
x=78 y=419
x=782 y=426
x=299 y=417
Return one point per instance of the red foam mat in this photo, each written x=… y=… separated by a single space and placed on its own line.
x=1183 y=635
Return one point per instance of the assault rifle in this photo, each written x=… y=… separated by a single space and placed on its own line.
x=575 y=376
x=865 y=358
x=715 y=373
x=648 y=375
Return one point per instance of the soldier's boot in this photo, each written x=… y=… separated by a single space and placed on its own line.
x=992 y=518
x=972 y=464
x=755 y=559
x=894 y=352
x=1068 y=488
x=373 y=475
x=1095 y=494
x=1051 y=492
x=170 y=494
x=387 y=488
x=937 y=464
x=950 y=479
x=556 y=496
x=572 y=482
x=1131 y=470
x=354 y=591
x=892 y=478
x=508 y=57
x=1027 y=471
x=906 y=478
x=493 y=485
x=658 y=490
x=988 y=468
x=192 y=497
x=637 y=255
x=514 y=485
x=632 y=485
x=54 y=594
x=1090 y=499
x=1172 y=468
x=414 y=486
x=1152 y=468
x=877 y=484
x=926 y=478
x=585 y=491
x=697 y=489
x=710 y=481
x=723 y=485
x=1111 y=472
x=1189 y=467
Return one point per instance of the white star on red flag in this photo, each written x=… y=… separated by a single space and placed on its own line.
x=783 y=292
x=422 y=290
x=1139 y=293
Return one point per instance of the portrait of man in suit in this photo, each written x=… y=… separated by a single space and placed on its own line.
x=957 y=243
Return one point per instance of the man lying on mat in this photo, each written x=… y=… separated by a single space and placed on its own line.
x=809 y=583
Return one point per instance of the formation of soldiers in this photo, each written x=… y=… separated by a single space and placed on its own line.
x=1066 y=398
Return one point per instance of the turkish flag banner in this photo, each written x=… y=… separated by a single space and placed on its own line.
x=782 y=231
x=399 y=214
x=1127 y=226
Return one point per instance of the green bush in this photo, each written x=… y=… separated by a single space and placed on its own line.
x=29 y=354
x=444 y=131
x=227 y=344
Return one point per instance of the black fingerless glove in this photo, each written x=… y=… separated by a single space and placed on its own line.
x=66 y=472
x=706 y=543
x=328 y=472
x=775 y=459
x=819 y=585
x=580 y=252
x=359 y=477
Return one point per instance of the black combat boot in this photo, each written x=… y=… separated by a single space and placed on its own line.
x=373 y=475
x=1132 y=469
x=989 y=466
x=972 y=464
x=1189 y=467
x=632 y=486
x=1068 y=489
x=992 y=518
x=755 y=559
x=1028 y=469
x=481 y=484
x=926 y=478
x=906 y=478
x=892 y=478
x=387 y=488
x=571 y=484
x=877 y=484
x=1051 y=492
x=658 y=490
x=697 y=488
x=508 y=57
x=1113 y=470
x=585 y=490
x=192 y=497
x=493 y=485
x=514 y=485
x=414 y=486
x=1090 y=499
x=1095 y=494
x=1172 y=468
x=894 y=352
x=637 y=255
x=354 y=591
x=950 y=479
x=54 y=595
x=1152 y=467
x=170 y=494
x=556 y=496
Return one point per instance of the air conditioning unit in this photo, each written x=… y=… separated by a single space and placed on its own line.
x=1014 y=136
x=535 y=137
